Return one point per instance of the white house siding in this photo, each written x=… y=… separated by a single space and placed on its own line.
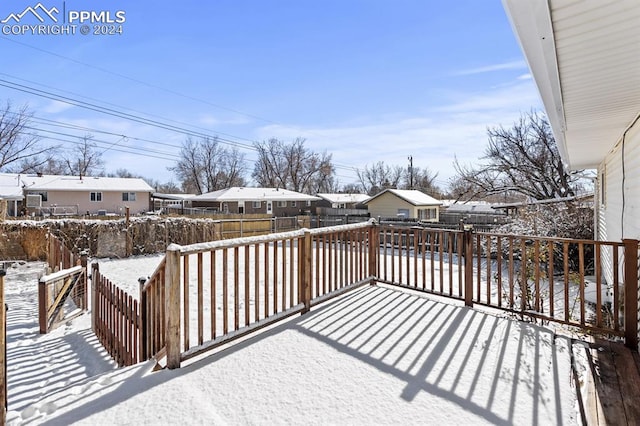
x=618 y=214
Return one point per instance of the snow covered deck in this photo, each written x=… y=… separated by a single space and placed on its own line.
x=376 y=355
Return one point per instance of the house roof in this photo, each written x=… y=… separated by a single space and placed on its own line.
x=253 y=194
x=75 y=183
x=585 y=59
x=472 y=207
x=10 y=186
x=162 y=196
x=583 y=197
x=344 y=198
x=412 y=196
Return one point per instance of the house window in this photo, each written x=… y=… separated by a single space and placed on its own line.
x=427 y=214
x=342 y=205
x=128 y=196
x=34 y=200
x=281 y=204
x=308 y=203
x=403 y=213
x=293 y=204
x=257 y=204
x=95 y=196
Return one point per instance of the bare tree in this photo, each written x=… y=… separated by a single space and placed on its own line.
x=421 y=179
x=380 y=176
x=85 y=160
x=21 y=150
x=521 y=160
x=205 y=165
x=292 y=166
x=351 y=188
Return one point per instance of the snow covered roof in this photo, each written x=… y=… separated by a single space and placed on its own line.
x=161 y=196
x=412 y=196
x=472 y=207
x=344 y=198
x=75 y=183
x=237 y=193
x=10 y=186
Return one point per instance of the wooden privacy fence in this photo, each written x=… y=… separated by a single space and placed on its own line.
x=115 y=319
x=59 y=256
x=205 y=295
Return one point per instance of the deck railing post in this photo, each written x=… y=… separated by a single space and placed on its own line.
x=374 y=249
x=631 y=293
x=468 y=265
x=3 y=352
x=43 y=306
x=305 y=288
x=172 y=306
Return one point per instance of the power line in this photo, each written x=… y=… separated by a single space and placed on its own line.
x=131 y=117
x=147 y=84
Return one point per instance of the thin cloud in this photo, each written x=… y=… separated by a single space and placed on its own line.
x=457 y=129
x=55 y=107
x=515 y=65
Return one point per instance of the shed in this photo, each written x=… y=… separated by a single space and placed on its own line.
x=404 y=203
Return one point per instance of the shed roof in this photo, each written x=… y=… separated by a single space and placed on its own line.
x=412 y=196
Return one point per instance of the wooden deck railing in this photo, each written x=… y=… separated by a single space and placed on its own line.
x=205 y=295
x=552 y=279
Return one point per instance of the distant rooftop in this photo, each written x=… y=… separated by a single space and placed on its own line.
x=253 y=194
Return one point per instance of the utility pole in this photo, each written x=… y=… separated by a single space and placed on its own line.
x=410 y=172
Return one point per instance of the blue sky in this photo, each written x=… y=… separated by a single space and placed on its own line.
x=365 y=80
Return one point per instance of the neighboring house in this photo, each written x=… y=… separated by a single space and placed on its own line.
x=342 y=201
x=585 y=59
x=11 y=193
x=512 y=209
x=73 y=195
x=169 y=203
x=472 y=212
x=341 y=204
x=404 y=203
x=245 y=200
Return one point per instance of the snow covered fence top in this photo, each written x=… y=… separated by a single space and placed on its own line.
x=242 y=241
x=61 y=274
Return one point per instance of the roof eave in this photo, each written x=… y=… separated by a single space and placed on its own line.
x=532 y=25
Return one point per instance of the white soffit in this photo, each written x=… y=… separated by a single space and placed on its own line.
x=596 y=44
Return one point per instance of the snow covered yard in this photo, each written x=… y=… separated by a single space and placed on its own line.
x=376 y=355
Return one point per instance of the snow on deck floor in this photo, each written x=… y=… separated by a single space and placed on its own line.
x=373 y=356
